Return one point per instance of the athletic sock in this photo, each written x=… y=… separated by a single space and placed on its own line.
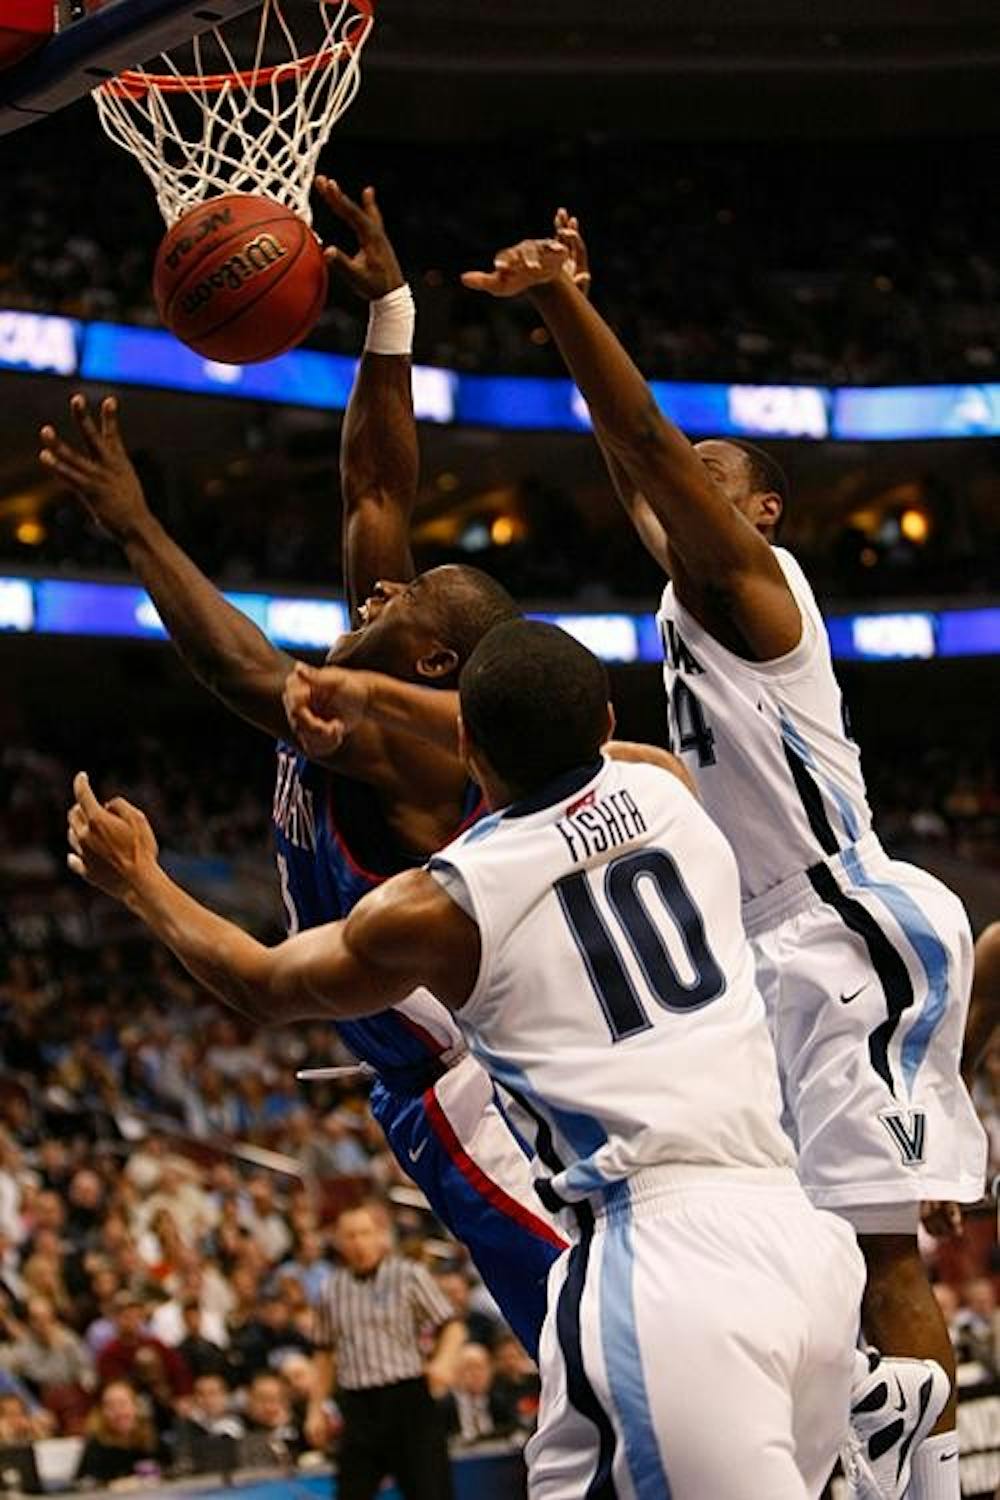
x=935 y=1469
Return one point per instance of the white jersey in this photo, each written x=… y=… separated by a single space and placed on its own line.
x=616 y=999
x=766 y=741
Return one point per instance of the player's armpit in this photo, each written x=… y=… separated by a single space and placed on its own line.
x=652 y=755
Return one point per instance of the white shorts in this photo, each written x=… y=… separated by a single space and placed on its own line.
x=865 y=966
x=699 y=1343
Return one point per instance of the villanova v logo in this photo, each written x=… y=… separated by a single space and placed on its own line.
x=908 y=1129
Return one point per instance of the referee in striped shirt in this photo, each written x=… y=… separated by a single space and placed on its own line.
x=371 y=1315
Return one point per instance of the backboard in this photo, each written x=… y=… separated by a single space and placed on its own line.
x=88 y=48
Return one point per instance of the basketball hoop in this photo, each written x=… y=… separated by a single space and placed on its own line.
x=233 y=116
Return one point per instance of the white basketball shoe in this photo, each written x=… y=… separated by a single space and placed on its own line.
x=892 y=1411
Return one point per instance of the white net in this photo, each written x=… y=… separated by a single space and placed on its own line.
x=209 y=123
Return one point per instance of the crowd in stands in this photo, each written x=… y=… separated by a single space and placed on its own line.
x=161 y=1307
x=847 y=263
x=939 y=801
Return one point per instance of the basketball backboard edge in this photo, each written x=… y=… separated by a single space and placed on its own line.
x=121 y=34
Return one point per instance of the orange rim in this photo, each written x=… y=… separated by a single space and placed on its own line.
x=133 y=83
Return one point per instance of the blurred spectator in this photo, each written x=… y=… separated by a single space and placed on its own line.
x=334 y=1149
x=516 y=1379
x=483 y=1327
x=105 y=1284
x=309 y=1265
x=10 y=1190
x=975 y=1328
x=202 y=1355
x=117 y=1361
x=120 y=1440
x=260 y=1217
x=153 y=1387
x=476 y=1409
x=212 y=1408
x=269 y=1416
x=86 y=1202
x=47 y=1352
x=259 y=1343
x=171 y=1323
x=20 y=1423
x=211 y=1414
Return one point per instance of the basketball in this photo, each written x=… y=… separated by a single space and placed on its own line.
x=240 y=279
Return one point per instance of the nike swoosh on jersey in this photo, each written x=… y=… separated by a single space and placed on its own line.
x=846 y=999
x=416 y=1155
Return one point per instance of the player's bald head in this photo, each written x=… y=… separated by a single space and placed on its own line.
x=467 y=604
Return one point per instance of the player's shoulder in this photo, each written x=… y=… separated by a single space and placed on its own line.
x=404 y=901
x=631 y=752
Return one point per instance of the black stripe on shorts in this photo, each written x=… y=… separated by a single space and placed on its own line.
x=578 y=1387
x=890 y=968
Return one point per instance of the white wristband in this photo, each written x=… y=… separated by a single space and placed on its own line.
x=390 y=323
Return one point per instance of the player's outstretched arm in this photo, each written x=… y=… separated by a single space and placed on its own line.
x=404 y=934
x=223 y=649
x=648 y=526
x=378 y=446
x=717 y=547
x=327 y=704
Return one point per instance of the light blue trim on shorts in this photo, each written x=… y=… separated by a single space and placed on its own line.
x=622 y=1352
x=931 y=952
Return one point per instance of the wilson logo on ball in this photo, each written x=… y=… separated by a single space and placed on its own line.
x=206 y=226
x=261 y=253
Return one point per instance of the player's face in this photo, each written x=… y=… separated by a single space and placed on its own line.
x=729 y=471
x=398 y=628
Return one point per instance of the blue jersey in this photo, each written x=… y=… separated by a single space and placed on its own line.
x=333 y=847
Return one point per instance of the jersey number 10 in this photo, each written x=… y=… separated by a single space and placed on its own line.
x=602 y=953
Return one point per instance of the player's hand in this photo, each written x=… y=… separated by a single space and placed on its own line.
x=110 y=844
x=373 y=270
x=323 y=705
x=99 y=469
x=577 y=262
x=523 y=266
x=942 y=1220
